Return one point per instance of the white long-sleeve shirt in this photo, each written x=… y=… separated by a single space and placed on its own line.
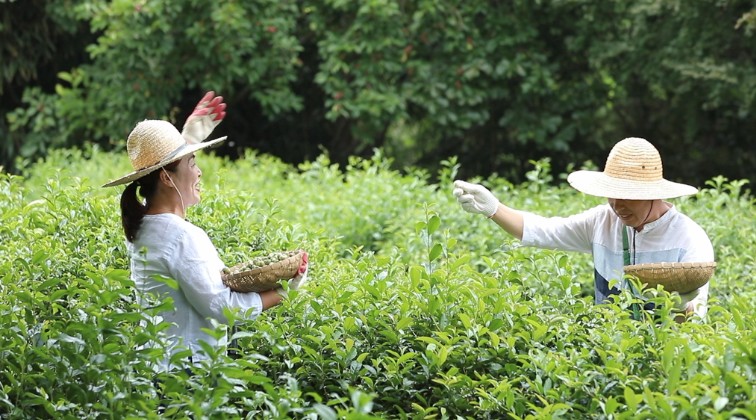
x=674 y=237
x=168 y=246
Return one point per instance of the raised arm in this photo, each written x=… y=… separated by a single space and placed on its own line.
x=475 y=198
x=208 y=113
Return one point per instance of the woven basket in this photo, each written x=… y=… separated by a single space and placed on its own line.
x=681 y=277
x=263 y=278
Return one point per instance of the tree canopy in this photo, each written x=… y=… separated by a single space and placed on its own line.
x=495 y=83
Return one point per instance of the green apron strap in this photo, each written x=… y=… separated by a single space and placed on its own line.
x=635 y=307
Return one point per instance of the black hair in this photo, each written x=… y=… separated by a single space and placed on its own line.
x=132 y=208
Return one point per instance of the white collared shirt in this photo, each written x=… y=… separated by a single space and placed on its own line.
x=674 y=237
x=166 y=245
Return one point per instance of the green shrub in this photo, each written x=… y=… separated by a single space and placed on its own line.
x=415 y=309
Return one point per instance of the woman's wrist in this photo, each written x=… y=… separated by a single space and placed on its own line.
x=494 y=213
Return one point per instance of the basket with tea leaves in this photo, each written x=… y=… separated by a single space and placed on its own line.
x=264 y=272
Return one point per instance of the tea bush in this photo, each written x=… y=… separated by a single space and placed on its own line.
x=415 y=309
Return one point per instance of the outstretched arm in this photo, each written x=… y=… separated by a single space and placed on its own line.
x=510 y=220
x=475 y=198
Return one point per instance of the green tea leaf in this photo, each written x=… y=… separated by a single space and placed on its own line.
x=433 y=223
x=435 y=252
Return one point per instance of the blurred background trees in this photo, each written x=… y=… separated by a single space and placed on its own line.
x=495 y=83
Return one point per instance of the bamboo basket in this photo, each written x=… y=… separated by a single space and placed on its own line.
x=681 y=277
x=263 y=278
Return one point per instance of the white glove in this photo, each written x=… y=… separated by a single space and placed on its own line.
x=301 y=277
x=695 y=301
x=475 y=198
x=297 y=281
x=208 y=113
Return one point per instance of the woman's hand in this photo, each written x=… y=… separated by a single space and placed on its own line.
x=475 y=198
x=301 y=277
x=208 y=113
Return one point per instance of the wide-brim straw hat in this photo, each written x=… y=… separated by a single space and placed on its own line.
x=153 y=144
x=633 y=171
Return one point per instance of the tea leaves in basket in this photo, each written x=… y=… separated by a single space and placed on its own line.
x=263 y=273
x=264 y=260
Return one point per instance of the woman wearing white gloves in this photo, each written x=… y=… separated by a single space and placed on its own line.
x=162 y=243
x=633 y=183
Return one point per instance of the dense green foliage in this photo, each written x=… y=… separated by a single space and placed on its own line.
x=415 y=309
x=495 y=83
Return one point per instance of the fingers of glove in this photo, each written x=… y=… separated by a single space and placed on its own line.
x=469 y=204
x=466 y=199
x=464 y=186
x=457 y=192
x=213 y=105
x=479 y=191
x=210 y=105
x=205 y=99
x=474 y=189
x=202 y=105
x=215 y=109
x=303 y=265
x=218 y=100
x=220 y=112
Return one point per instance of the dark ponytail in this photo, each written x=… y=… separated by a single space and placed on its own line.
x=132 y=208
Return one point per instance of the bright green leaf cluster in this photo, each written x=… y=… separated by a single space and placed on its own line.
x=414 y=308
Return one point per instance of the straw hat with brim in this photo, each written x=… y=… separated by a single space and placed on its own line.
x=681 y=277
x=153 y=144
x=633 y=171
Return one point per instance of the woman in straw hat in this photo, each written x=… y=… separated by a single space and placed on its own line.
x=161 y=243
x=636 y=214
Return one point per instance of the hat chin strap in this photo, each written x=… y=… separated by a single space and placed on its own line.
x=643 y=223
x=183 y=208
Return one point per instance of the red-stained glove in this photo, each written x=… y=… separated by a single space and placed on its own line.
x=208 y=113
x=301 y=277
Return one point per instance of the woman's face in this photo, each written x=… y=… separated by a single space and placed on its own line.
x=632 y=213
x=187 y=180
